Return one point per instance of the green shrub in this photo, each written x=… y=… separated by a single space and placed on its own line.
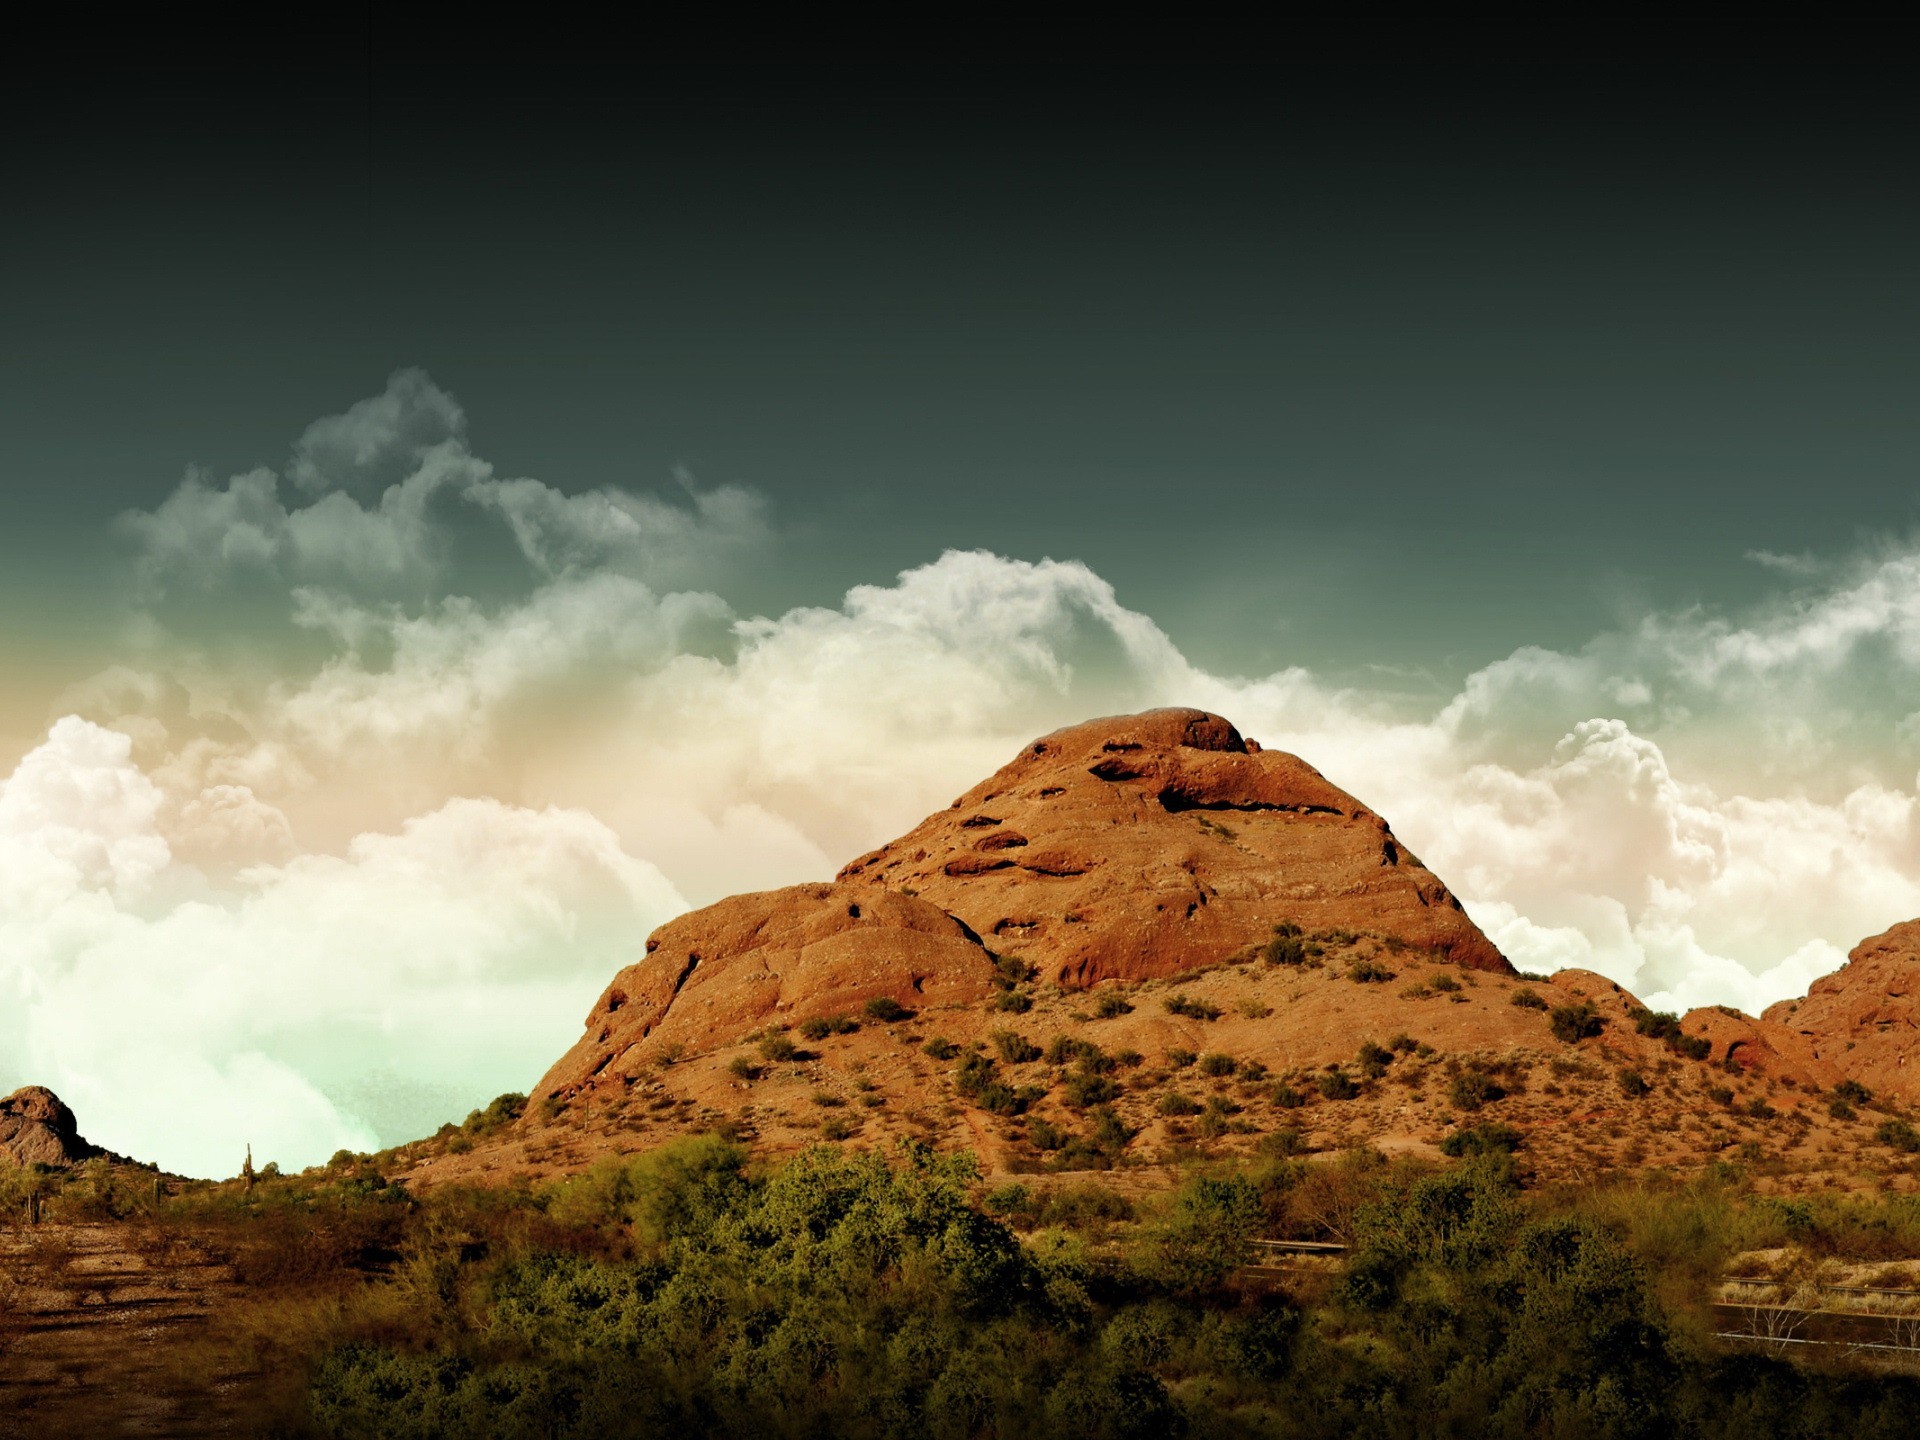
x=886 y=1010
x=1111 y=1005
x=744 y=1068
x=1633 y=1084
x=1573 y=1023
x=1899 y=1135
x=941 y=1048
x=1014 y=1047
x=1217 y=1066
x=1490 y=1139
x=1190 y=1008
x=1014 y=1002
x=1336 y=1085
x=819 y=1027
x=1045 y=1135
x=1369 y=972
x=1285 y=950
x=1083 y=1089
x=1472 y=1088
x=1181 y=1059
x=1174 y=1103
x=1853 y=1092
x=1288 y=1098
x=1444 y=983
x=778 y=1048
x=1527 y=999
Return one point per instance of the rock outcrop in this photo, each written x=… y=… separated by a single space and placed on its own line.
x=37 y=1129
x=1864 y=1018
x=1122 y=849
x=1147 y=845
x=780 y=956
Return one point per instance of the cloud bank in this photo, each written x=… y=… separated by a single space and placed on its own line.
x=353 y=879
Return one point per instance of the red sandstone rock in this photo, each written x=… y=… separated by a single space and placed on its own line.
x=779 y=956
x=1864 y=1019
x=37 y=1129
x=1146 y=845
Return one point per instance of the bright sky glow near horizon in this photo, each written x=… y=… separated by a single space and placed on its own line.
x=419 y=577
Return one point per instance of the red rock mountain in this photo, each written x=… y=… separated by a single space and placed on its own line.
x=1144 y=845
x=1863 y=1020
x=37 y=1129
x=1120 y=849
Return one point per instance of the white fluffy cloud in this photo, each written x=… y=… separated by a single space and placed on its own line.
x=1705 y=808
x=330 y=1000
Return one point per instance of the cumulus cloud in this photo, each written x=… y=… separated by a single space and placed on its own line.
x=380 y=495
x=1707 y=808
x=327 y=1001
x=378 y=441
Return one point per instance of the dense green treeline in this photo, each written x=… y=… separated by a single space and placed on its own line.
x=691 y=1291
x=843 y=1294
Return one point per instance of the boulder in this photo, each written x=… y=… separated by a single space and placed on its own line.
x=37 y=1129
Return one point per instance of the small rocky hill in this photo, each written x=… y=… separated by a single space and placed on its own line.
x=37 y=1129
x=1144 y=939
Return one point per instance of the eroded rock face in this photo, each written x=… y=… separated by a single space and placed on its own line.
x=1864 y=1018
x=37 y=1129
x=1145 y=845
x=716 y=975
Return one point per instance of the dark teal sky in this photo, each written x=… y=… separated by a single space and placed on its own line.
x=1392 y=365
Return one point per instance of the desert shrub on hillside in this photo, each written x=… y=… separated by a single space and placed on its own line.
x=1664 y=1026
x=1899 y=1135
x=1180 y=1059
x=1111 y=1005
x=819 y=1027
x=1472 y=1088
x=941 y=1048
x=886 y=1010
x=1013 y=1047
x=778 y=1048
x=1853 y=1092
x=1369 y=972
x=1017 y=1001
x=1633 y=1084
x=1218 y=1066
x=1527 y=999
x=1174 y=1103
x=1192 y=1009
x=1373 y=1060
x=1085 y=1088
x=1576 y=1022
x=1490 y=1139
x=1288 y=1098
x=1336 y=1085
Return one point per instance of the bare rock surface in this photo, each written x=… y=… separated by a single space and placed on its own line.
x=36 y=1128
x=1147 y=845
x=1864 y=1019
x=778 y=956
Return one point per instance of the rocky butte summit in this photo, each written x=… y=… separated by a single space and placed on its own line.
x=1129 y=848
x=1147 y=934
